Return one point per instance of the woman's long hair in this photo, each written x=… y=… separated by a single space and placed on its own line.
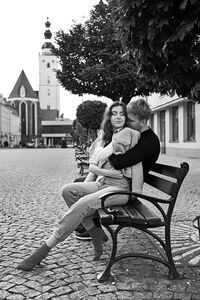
x=106 y=125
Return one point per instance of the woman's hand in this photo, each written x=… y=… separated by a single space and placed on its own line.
x=115 y=173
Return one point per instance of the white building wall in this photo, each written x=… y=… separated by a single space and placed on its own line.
x=15 y=129
x=156 y=123
x=10 y=129
x=167 y=127
x=5 y=124
x=182 y=147
x=197 y=123
x=181 y=124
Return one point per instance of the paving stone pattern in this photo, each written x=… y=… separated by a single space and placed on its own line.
x=185 y=244
x=30 y=206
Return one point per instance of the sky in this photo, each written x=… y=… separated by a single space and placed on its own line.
x=22 y=26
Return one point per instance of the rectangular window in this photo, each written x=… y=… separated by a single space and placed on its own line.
x=174 y=136
x=162 y=131
x=152 y=121
x=190 y=121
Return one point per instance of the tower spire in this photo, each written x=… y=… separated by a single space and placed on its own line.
x=47 y=33
x=47 y=46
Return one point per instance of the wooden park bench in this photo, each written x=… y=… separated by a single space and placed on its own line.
x=163 y=178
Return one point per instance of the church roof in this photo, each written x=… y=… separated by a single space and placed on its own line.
x=23 y=81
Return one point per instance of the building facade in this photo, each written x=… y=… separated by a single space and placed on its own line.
x=57 y=132
x=10 y=124
x=177 y=122
x=36 y=107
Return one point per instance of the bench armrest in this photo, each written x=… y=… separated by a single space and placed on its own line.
x=153 y=200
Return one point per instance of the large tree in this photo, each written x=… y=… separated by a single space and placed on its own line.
x=163 y=37
x=91 y=60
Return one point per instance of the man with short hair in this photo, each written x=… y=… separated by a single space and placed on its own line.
x=147 y=149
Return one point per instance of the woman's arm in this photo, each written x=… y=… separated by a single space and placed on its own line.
x=90 y=177
x=121 y=141
x=104 y=172
x=105 y=152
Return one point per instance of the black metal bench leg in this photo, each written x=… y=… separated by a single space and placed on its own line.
x=106 y=275
x=173 y=273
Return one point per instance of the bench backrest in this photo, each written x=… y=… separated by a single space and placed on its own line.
x=167 y=179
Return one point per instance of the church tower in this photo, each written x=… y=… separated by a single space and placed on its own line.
x=49 y=89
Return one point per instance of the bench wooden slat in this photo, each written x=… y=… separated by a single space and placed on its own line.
x=83 y=163
x=135 y=216
x=161 y=184
x=125 y=217
x=149 y=217
x=166 y=170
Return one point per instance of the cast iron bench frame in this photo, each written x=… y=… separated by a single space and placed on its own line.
x=165 y=178
x=82 y=158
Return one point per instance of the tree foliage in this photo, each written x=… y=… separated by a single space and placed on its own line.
x=79 y=133
x=90 y=114
x=91 y=59
x=163 y=37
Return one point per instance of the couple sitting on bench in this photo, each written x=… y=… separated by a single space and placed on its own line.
x=82 y=198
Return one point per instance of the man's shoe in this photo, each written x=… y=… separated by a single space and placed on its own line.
x=80 y=228
x=82 y=235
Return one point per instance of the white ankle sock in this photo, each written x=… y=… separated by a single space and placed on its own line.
x=52 y=241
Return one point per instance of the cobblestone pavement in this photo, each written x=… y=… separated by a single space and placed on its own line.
x=30 y=206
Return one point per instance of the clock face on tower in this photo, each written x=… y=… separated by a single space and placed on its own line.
x=22 y=91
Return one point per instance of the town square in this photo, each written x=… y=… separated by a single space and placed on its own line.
x=100 y=150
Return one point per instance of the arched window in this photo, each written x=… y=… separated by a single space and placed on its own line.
x=33 y=118
x=23 y=117
x=22 y=91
